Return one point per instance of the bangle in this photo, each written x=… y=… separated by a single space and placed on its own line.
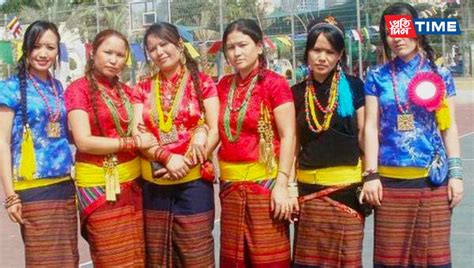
x=11 y=200
x=455 y=168
x=293 y=189
x=370 y=175
x=162 y=156
x=138 y=141
x=284 y=173
x=127 y=144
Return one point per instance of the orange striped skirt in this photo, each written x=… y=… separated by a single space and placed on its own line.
x=179 y=220
x=50 y=229
x=114 y=230
x=329 y=232
x=412 y=227
x=249 y=235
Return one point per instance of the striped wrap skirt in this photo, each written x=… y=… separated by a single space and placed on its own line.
x=250 y=237
x=412 y=227
x=49 y=231
x=330 y=229
x=113 y=229
x=179 y=220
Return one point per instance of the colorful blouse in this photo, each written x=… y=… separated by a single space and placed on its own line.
x=47 y=166
x=273 y=91
x=189 y=111
x=405 y=148
x=78 y=98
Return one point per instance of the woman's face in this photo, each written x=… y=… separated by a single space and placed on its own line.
x=323 y=58
x=44 y=53
x=242 y=52
x=404 y=48
x=110 y=57
x=165 y=55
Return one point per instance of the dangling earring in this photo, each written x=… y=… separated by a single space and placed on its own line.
x=183 y=58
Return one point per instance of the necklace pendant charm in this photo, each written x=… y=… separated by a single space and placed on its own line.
x=54 y=129
x=405 y=122
x=168 y=137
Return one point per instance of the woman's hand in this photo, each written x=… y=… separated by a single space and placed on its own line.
x=14 y=212
x=198 y=149
x=178 y=166
x=294 y=209
x=280 y=202
x=145 y=140
x=455 y=192
x=372 y=193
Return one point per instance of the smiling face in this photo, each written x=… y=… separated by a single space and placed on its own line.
x=323 y=58
x=44 y=53
x=110 y=57
x=165 y=55
x=242 y=52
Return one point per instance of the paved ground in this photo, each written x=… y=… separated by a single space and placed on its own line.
x=462 y=239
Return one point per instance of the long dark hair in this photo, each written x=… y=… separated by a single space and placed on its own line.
x=89 y=69
x=34 y=32
x=250 y=28
x=405 y=9
x=334 y=33
x=170 y=33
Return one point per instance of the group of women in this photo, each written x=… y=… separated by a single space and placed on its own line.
x=318 y=154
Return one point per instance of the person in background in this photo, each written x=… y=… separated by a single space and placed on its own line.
x=35 y=158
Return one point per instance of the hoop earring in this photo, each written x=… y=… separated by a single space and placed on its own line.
x=182 y=58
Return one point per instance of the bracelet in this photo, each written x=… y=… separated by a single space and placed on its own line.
x=162 y=156
x=293 y=189
x=455 y=168
x=284 y=173
x=370 y=175
x=127 y=144
x=138 y=141
x=11 y=200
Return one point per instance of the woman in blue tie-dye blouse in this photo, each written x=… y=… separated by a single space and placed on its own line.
x=413 y=172
x=35 y=159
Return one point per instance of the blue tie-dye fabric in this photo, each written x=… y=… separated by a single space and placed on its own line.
x=53 y=155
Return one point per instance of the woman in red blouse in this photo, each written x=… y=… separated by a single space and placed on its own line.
x=100 y=114
x=179 y=105
x=257 y=130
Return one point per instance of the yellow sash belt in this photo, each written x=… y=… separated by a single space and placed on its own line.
x=403 y=172
x=331 y=176
x=90 y=175
x=194 y=174
x=249 y=171
x=36 y=183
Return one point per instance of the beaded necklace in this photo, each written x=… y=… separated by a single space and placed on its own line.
x=328 y=111
x=54 y=127
x=242 y=109
x=405 y=119
x=116 y=116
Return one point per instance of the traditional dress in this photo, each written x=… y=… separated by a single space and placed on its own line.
x=110 y=199
x=179 y=214
x=330 y=228
x=249 y=235
x=48 y=198
x=412 y=227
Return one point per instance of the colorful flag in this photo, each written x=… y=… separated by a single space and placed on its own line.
x=14 y=27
